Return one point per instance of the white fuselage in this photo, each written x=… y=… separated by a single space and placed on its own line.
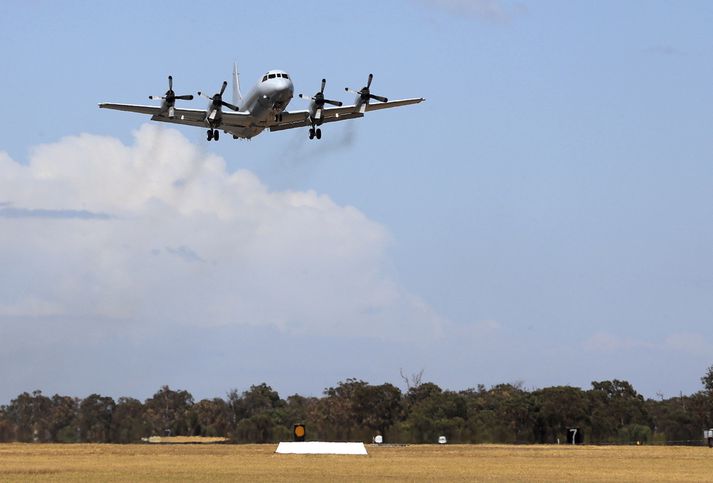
x=265 y=101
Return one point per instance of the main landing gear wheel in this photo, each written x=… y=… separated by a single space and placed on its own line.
x=318 y=133
x=311 y=133
x=213 y=134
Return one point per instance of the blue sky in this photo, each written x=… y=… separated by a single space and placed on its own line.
x=545 y=216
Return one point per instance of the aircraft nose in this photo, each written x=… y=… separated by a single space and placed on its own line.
x=287 y=87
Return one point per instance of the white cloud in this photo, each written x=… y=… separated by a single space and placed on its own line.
x=681 y=342
x=481 y=330
x=29 y=307
x=692 y=344
x=606 y=342
x=159 y=234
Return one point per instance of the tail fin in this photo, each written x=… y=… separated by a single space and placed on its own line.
x=237 y=96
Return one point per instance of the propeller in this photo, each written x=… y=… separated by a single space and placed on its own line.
x=319 y=99
x=218 y=98
x=170 y=96
x=365 y=93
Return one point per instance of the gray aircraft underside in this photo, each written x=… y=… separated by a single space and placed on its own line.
x=263 y=108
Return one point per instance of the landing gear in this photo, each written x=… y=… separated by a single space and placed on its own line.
x=213 y=134
x=315 y=133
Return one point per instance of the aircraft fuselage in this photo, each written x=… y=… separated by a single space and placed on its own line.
x=265 y=101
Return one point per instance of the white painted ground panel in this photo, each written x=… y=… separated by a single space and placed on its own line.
x=320 y=447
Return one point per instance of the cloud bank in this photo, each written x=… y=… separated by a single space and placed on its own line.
x=155 y=235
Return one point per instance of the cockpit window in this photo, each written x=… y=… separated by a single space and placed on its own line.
x=280 y=75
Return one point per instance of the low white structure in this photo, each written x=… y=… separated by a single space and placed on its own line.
x=320 y=447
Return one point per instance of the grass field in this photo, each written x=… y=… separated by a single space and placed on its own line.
x=91 y=462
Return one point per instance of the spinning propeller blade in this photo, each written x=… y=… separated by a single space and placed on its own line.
x=319 y=99
x=170 y=96
x=365 y=93
x=217 y=98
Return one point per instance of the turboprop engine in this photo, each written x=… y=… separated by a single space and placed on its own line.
x=169 y=99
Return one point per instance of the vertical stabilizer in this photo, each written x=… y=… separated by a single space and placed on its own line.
x=237 y=96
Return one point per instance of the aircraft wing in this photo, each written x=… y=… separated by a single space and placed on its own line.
x=281 y=126
x=385 y=105
x=289 y=120
x=189 y=117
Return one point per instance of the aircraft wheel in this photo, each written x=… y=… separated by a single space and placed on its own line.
x=216 y=135
x=318 y=134
x=210 y=134
x=311 y=133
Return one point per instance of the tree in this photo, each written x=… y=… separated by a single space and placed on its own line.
x=707 y=381
x=432 y=412
x=516 y=411
x=63 y=419
x=413 y=381
x=30 y=414
x=168 y=412
x=297 y=409
x=95 y=415
x=212 y=417
x=335 y=415
x=615 y=405
x=559 y=408
x=7 y=429
x=377 y=407
x=128 y=422
x=256 y=414
x=502 y=414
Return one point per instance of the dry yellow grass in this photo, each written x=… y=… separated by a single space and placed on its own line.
x=89 y=462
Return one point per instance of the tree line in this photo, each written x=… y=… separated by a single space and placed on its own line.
x=610 y=412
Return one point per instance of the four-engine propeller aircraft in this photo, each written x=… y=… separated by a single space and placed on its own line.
x=263 y=108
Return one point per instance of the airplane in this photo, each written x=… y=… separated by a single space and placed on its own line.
x=263 y=108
